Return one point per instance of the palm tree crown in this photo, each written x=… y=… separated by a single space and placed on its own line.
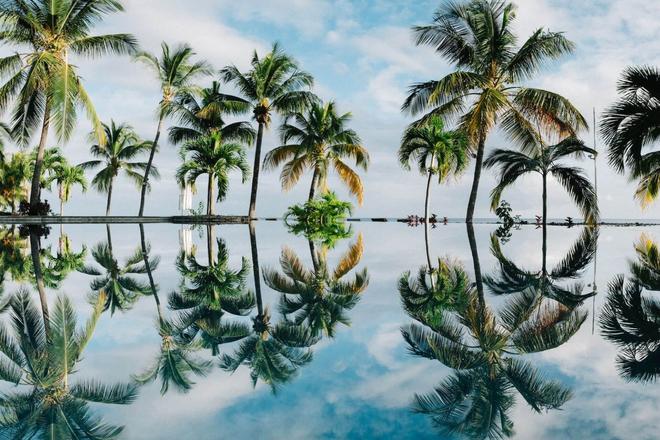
x=477 y=37
x=41 y=82
x=545 y=160
x=631 y=125
x=274 y=84
x=318 y=139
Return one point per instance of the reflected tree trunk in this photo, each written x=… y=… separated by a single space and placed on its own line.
x=210 y=244
x=428 y=253
x=152 y=284
x=109 y=236
x=255 y=268
x=35 y=251
x=313 y=254
x=312 y=188
x=475 y=261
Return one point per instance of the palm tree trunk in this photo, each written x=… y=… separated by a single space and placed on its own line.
x=426 y=221
x=210 y=240
x=475 y=261
x=475 y=182
x=152 y=284
x=147 y=170
x=61 y=194
x=252 y=214
x=109 y=235
x=35 y=248
x=107 y=206
x=312 y=252
x=315 y=182
x=209 y=196
x=35 y=188
x=545 y=199
x=255 y=268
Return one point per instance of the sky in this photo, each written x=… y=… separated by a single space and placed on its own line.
x=362 y=56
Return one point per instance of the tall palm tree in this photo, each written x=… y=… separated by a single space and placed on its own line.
x=175 y=362
x=176 y=73
x=207 y=294
x=116 y=155
x=115 y=282
x=319 y=139
x=211 y=155
x=42 y=364
x=631 y=319
x=43 y=86
x=436 y=152
x=318 y=298
x=546 y=160
x=274 y=84
x=486 y=86
x=485 y=349
x=203 y=113
x=66 y=177
x=631 y=125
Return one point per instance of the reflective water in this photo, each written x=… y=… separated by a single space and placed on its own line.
x=342 y=342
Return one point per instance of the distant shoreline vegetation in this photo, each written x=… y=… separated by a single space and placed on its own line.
x=201 y=112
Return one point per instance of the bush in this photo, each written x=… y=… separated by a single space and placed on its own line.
x=322 y=219
x=42 y=208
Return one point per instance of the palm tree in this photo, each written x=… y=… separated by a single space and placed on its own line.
x=630 y=318
x=115 y=155
x=176 y=75
x=115 y=282
x=66 y=177
x=175 y=361
x=45 y=362
x=485 y=87
x=207 y=294
x=211 y=155
x=545 y=160
x=14 y=175
x=41 y=82
x=318 y=139
x=204 y=114
x=631 y=125
x=53 y=159
x=319 y=298
x=485 y=349
x=275 y=84
x=435 y=151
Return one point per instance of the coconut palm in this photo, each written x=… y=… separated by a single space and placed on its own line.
x=116 y=282
x=44 y=87
x=318 y=139
x=546 y=160
x=631 y=317
x=66 y=177
x=207 y=294
x=176 y=73
x=318 y=298
x=176 y=360
x=630 y=128
x=274 y=84
x=485 y=88
x=511 y=279
x=435 y=151
x=212 y=155
x=53 y=159
x=116 y=155
x=203 y=113
x=485 y=349
x=46 y=404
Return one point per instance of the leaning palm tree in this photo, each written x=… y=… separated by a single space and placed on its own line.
x=212 y=156
x=546 y=160
x=319 y=139
x=176 y=73
x=116 y=155
x=485 y=349
x=176 y=360
x=486 y=86
x=44 y=87
x=117 y=283
x=632 y=125
x=436 y=152
x=66 y=177
x=208 y=293
x=318 y=298
x=205 y=112
x=274 y=84
x=41 y=364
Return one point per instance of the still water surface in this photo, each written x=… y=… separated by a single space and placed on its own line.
x=356 y=349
